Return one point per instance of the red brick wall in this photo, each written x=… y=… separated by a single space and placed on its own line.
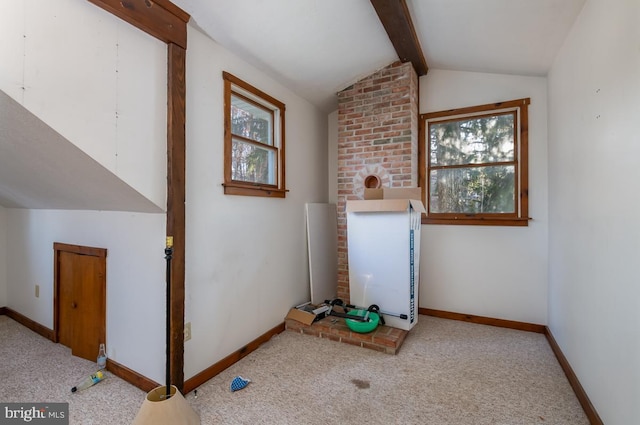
x=377 y=135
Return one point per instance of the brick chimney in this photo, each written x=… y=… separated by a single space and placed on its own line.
x=377 y=143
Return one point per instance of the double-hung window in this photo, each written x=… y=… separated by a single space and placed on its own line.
x=475 y=166
x=253 y=141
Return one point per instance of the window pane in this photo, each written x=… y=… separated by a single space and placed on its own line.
x=473 y=190
x=251 y=163
x=472 y=140
x=251 y=121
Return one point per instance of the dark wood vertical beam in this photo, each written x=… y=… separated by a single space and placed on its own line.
x=167 y=22
x=176 y=163
x=396 y=19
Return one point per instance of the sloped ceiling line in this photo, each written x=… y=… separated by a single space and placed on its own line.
x=39 y=169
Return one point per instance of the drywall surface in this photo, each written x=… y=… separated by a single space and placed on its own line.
x=40 y=169
x=246 y=257
x=594 y=146
x=492 y=271
x=95 y=79
x=135 y=275
x=3 y=257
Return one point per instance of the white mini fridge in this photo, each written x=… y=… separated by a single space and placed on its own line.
x=383 y=243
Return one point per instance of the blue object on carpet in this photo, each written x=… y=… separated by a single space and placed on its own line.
x=239 y=383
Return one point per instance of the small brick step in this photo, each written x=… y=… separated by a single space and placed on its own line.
x=384 y=338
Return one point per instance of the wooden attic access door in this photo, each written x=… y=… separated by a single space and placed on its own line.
x=80 y=298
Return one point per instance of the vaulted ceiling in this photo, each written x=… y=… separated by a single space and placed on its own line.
x=319 y=47
x=314 y=47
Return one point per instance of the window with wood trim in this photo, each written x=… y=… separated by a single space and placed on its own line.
x=253 y=141
x=474 y=165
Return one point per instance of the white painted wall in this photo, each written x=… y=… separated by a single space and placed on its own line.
x=3 y=257
x=492 y=271
x=594 y=248
x=98 y=81
x=101 y=84
x=246 y=257
x=135 y=275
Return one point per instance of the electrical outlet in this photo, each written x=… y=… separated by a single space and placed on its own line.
x=37 y=291
x=187 y=331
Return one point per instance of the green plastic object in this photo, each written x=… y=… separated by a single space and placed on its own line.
x=363 y=327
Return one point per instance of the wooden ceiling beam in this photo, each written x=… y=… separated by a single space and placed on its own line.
x=396 y=20
x=160 y=18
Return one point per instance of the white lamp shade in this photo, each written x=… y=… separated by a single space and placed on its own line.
x=159 y=410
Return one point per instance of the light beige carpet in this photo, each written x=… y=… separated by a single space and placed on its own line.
x=446 y=372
